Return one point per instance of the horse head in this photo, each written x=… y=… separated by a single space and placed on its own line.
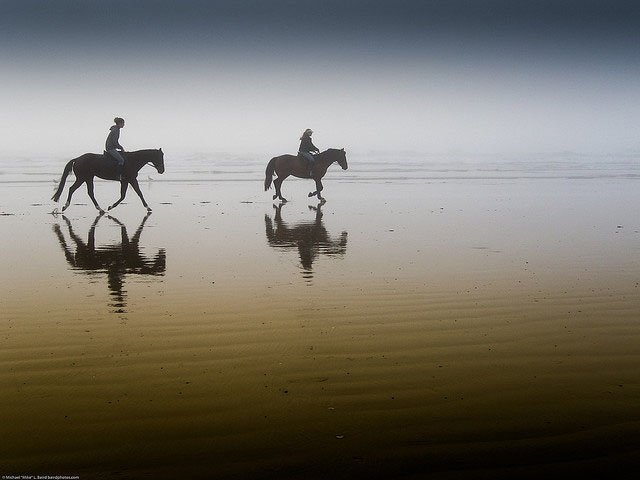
x=158 y=161
x=336 y=155
x=342 y=158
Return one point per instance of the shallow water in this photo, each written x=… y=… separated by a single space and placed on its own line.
x=473 y=323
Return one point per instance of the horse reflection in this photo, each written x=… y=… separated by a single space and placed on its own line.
x=311 y=239
x=116 y=260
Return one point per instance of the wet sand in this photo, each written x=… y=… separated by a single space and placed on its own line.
x=464 y=324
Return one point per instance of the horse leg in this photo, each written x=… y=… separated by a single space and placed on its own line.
x=277 y=183
x=136 y=187
x=123 y=191
x=319 y=188
x=72 y=189
x=91 y=196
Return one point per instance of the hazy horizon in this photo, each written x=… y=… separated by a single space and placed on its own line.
x=248 y=76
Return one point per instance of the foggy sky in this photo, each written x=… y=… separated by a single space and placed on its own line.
x=250 y=76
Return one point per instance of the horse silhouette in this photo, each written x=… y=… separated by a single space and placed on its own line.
x=91 y=165
x=310 y=239
x=286 y=165
x=116 y=260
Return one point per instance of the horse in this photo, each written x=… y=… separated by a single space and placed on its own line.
x=90 y=165
x=295 y=165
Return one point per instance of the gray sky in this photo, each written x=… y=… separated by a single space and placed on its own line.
x=249 y=76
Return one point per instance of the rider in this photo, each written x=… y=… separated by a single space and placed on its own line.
x=112 y=145
x=307 y=148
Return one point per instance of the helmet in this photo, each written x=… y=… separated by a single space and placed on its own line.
x=308 y=131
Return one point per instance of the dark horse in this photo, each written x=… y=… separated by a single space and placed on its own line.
x=286 y=165
x=92 y=165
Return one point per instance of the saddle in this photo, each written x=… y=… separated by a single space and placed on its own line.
x=113 y=164
x=108 y=156
x=309 y=160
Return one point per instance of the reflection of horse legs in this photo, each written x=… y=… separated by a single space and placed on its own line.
x=277 y=183
x=136 y=236
x=319 y=188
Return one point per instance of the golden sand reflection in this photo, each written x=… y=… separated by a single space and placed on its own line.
x=478 y=337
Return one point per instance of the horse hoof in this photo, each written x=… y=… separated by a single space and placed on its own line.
x=149 y=209
x=275 y=196
x=311 y=194
x=110 y=208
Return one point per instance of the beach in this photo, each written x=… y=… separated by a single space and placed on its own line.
x=435 y=318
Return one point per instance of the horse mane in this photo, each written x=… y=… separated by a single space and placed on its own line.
x=330 y=150
x=146 y=150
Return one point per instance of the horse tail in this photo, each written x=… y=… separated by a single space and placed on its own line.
x=268 y=174
x=65 y=174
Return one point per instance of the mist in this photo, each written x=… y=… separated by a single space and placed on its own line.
x=490 y=77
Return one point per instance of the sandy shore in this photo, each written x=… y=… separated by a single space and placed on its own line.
x=452 y=328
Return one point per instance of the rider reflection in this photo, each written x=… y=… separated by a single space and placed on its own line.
x=117 y=260
x=310 y=239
